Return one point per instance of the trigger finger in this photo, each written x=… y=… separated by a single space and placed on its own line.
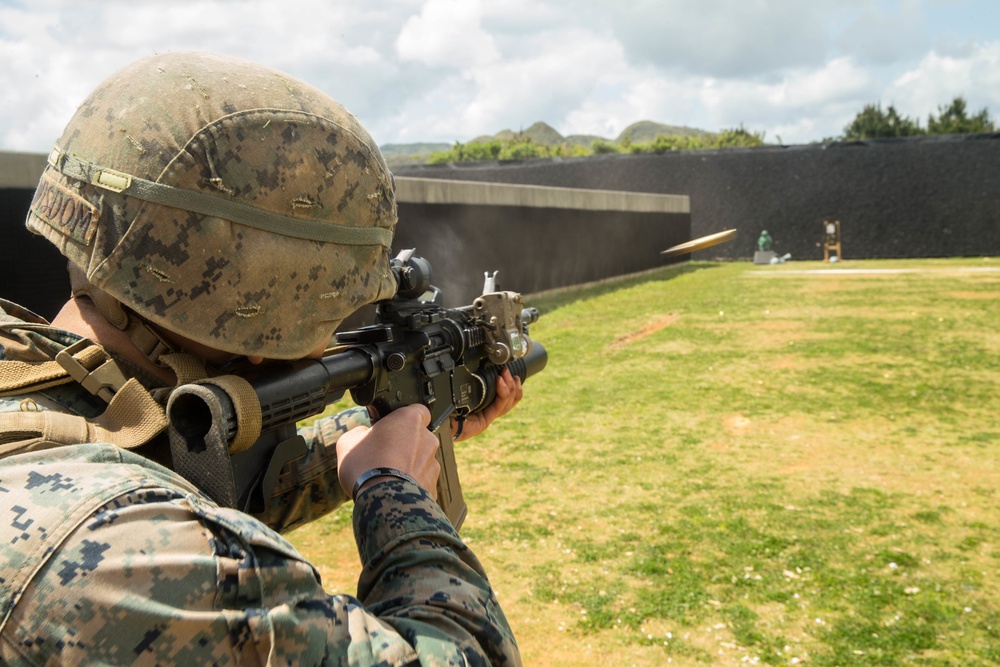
x=422 y=413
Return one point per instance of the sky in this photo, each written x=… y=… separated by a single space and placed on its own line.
x=452 y=70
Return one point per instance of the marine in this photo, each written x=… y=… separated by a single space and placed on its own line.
x=215 y=214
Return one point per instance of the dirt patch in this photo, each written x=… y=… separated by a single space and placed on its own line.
x=675 y=348
x=790 y=363
x=737 y=424
x=824 y=287
x=651 y=328
x=778 y=325
x=984 y=296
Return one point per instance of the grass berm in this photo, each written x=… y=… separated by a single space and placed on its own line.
x=731 y=464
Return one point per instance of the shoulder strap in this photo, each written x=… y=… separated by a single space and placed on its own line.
x=84 y=361
x=132 y=418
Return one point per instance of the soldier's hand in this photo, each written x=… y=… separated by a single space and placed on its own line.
x=509 y=393
x=399 y=440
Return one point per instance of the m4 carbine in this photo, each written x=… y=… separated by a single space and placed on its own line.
x=232 y=435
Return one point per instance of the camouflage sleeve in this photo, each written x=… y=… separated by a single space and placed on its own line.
x=420 y=578
x=160 y=577
x=309 y=488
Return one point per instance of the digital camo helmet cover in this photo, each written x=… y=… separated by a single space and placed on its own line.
x=224 y=201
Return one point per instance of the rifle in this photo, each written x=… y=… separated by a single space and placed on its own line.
x=231 y=436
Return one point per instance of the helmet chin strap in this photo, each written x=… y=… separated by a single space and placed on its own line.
x=143 y=336
x=150 y=343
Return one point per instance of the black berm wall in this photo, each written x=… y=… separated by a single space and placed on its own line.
x=922 y=197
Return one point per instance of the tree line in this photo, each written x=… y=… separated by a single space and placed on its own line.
x=522 y=147
x=875 y=123
x=872 y=122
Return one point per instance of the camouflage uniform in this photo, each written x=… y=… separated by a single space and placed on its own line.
x=249 y=212
x=109 y=558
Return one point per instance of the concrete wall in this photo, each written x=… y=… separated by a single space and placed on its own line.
x=20 y=171
x=537 y=237
x=23 y=254
x=533 y=249
x=923 y=197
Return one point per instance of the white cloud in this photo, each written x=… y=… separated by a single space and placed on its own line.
x=556 y=71
x=445 y=70
x=800 y=106
x=937 y=79
x=723 y=38
x=644 y=95
x=562 y=68
x=879 y=34
x=794 y=107
x=447 y=33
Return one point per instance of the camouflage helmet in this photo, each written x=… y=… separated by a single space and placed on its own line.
x=222 y=200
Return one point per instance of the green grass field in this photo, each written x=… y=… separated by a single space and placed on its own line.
x=728 y=464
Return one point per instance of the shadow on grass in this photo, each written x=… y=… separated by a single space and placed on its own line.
x=550 y=300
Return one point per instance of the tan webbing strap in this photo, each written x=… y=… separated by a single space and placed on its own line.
x=26 y=431
x=20 y=377
x=17 y=377
x=247 y=406
x=187 y=367
x=132 y=418
x=144 y=337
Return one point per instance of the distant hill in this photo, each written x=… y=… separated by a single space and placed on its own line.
x=583 y=139
x=406 y=155
x=647 y=130
x=402 y=155
x=410 y=149
x=502 y=135
x=545 y=134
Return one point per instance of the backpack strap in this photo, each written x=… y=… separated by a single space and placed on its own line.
x=131 y=419
x=83 y=361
